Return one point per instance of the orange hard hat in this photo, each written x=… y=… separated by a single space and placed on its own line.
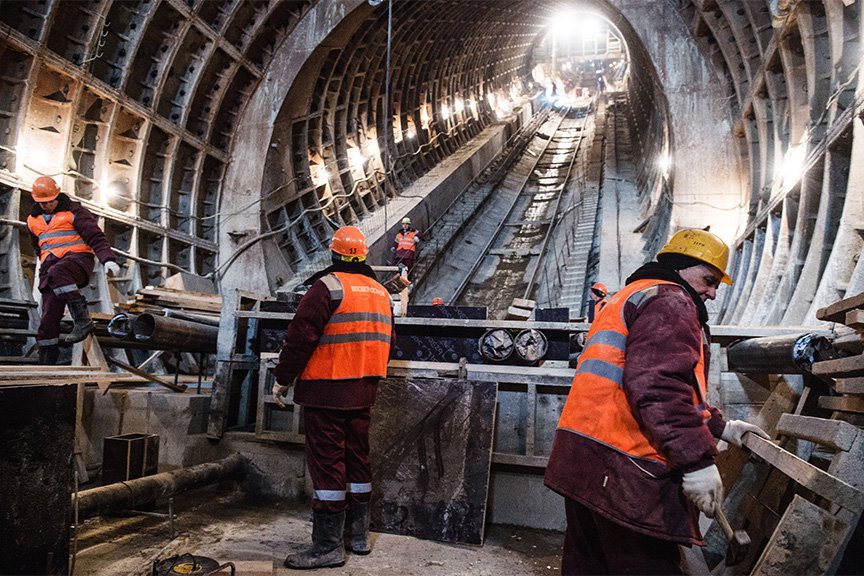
x=350 y=242
x=600 y=289
x=45 y=189
x=437 y=301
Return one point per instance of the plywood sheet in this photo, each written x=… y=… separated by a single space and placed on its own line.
x=431 y=448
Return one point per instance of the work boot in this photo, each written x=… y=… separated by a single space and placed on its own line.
x=83 y=325
x=359 y=529
x=48 y=355
x=326 y=550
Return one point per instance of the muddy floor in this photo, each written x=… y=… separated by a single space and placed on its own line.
x=256 y=536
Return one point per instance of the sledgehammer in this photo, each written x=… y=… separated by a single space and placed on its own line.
x=737 y=541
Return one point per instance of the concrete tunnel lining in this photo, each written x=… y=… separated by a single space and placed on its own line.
x=705 y=189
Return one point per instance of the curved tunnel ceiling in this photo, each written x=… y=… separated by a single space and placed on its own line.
x=170 y=115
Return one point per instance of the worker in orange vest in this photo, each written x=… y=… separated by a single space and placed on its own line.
x=66 y=238
x=337 y=348
x=597 y=294
x=406 y=246
x=634 y=451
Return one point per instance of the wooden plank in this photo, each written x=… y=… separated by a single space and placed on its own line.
x=848 y=385
x=854 y=404
x=834 y=434
x=806 y=474
x=807 y=540
x=855 y=319
x=837 y=312
x=147 y=376
x=851 y=366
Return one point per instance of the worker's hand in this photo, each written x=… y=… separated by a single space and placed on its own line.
x=112 y=268
x=704 y=488
x=736 y=429
x=279 y=393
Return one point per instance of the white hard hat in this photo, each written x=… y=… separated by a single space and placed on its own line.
x=406 y=220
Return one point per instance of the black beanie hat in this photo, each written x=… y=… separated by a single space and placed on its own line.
x=678 y=261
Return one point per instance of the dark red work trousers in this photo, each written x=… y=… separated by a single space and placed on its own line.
x=406 y=258
x=59 y=280
x=595 y=545
x=337 y=453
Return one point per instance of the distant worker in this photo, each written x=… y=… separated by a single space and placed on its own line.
x=601 y=85
x=437 y=301
x=634 y=451
x=337 y=348
x=598 y=299
x=65 y=237
x=406 y=246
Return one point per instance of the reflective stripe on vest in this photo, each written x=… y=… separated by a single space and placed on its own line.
x=356 y=340
x=58 y=236
x=597 y=405
x=406 y=241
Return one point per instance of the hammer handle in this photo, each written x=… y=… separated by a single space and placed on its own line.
x=720 y=516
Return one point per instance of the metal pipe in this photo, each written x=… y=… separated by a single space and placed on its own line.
x=209 y=321
x=125 y=495
x=120 y=326
x=175 y=334
x=779 y=354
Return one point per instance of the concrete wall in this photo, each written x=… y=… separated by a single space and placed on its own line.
x=276 y=470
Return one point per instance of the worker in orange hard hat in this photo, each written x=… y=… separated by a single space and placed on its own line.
x=598 y=299
x=643 y=372
x=66 y=238
x=337 y=348
x=437 y=301
x=406 y=246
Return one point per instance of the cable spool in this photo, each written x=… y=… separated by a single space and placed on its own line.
x=531 y=345
x=496 y=345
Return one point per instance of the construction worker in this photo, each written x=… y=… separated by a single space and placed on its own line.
x=337 y=348
x=437 y=301
x=65 y=237
x=598 y=299
x=634 y=451
x=406 y=246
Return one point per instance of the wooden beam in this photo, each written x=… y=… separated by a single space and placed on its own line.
x=806 y=474
x=147 y=376
x=837 y=312
x=851 y=366
x=853 y=404
x=834 y=434
x=848 y=385
x=855 y=319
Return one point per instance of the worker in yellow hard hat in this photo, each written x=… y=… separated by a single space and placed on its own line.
x=637 y=468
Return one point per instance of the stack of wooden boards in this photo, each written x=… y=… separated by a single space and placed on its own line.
x=801 y=497
x=156 y=299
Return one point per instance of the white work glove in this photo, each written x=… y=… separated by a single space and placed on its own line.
x=736 y=429
x=112 y=268
x=279 y=393
x=704 y=488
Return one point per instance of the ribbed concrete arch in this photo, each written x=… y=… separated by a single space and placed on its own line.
x=672 y=81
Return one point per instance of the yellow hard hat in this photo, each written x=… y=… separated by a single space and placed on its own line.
x=701 y=245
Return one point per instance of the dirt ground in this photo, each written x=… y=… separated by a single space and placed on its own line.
x=256 y=536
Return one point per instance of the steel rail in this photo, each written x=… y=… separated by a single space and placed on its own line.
x=506 y=219
x=544 y=244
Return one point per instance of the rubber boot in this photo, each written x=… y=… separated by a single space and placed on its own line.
x=326 y=550
x=48 y=355
x=359 y=514
x=83 y=325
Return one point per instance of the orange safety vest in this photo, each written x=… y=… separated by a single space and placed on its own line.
x=406 y=241
x=356 y=340
x=597 y=405
x=58 y=236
